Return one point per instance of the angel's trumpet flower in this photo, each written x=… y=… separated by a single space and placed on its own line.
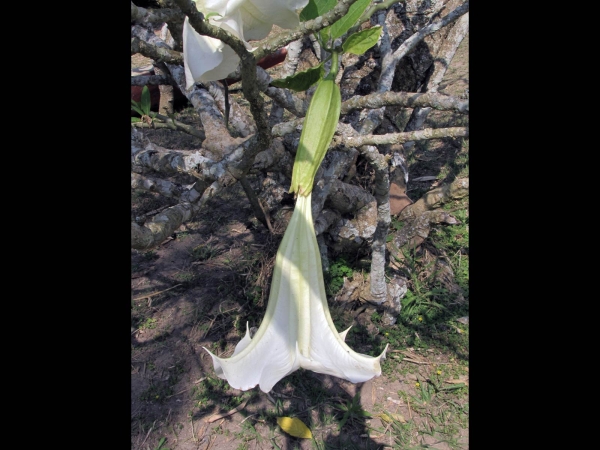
x=297 y=330
x=208 y=59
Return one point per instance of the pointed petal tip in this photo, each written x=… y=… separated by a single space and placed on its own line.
x=209 y=352
x=344 y=333
x=382 y=356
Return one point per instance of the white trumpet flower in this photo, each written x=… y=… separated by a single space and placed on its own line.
x=297 y=330
x=208 y=59
x=205 y=58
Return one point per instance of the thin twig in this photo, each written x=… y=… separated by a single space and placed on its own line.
x=155 y=293
x=210 y=441
x=193 y=435
x=181 y=392
x=228 y=413
x=202 y=431
x=251 y=415
x=210 y=326
x=149 y=431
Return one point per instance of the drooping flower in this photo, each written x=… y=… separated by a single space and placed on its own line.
x=205 y=58
x=297 y=330
x=208 y=59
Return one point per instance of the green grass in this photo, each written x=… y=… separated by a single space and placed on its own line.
x=334 y=277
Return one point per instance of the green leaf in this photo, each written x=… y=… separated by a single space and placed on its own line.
x=294 y=427
x=136 y=107
x=160 y=444
x=135 y=119
x=301 y=81
x=344 y=420
x=316 y=8
x=360 y=42
x=325 y=34
x=348 y=21
x=146 y=100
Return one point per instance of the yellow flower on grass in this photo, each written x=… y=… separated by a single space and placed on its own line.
x=417 y=384
x=420 y=318
x=439 y=372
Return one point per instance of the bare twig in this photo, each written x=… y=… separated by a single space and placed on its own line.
x=154 y=293
x=228 y=413
x=149 y=431
x=181 y=392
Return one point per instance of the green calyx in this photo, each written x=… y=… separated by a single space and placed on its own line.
x=319 y=126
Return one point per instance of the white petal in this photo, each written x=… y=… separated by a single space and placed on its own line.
x=297 y=330
x=327 y=352
x=271 y=354
x=205 y=58
x=228 y=65
x=233 y=23
x=281 y=13
x=344 y=333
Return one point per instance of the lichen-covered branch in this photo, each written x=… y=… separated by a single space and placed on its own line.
x=218 y=140
x=145 y=16
x=164 y=224
x=287 y=100
x=152 y=184
x=248 y=68
x=172 y=162
x=390 y=62
x=168 y=122
x=440 y=66
x=150 y=80
x=433 y=100
x=289 y=68
x=161 y=226
x=419 y=216
x=310 y=26
x=238 y=118
x=154 y=52
x=346 y=198
x=435 y=198
x=399 y=138
x=379 y=162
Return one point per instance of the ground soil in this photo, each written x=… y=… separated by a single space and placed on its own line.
x=198 y=288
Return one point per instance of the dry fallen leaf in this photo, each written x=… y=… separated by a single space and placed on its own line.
x=391 y=416
x=294 y=427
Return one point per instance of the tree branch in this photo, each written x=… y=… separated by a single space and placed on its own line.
x=248 y=62
x=152 y=80
x=310 y=26
x=440 y=66
x=168 y=122
x=433 y=100
x=389 y=64
x=145 y=16
x=159 y=185
x=399 y=138
x=155 y=53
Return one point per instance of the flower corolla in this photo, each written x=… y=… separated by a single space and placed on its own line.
x=297 y=330
x=208 y=59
